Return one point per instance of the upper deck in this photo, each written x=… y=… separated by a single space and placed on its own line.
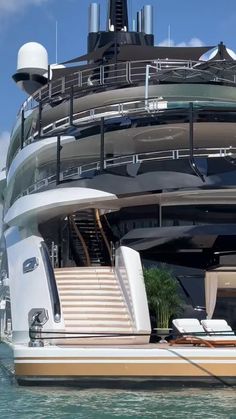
x=85 y=80
x=78 y=98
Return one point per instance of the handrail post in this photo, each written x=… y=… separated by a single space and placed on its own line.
x=113 y=255
x=22 y=138
x=59 y=147
x=99 y=223
x=191 y=129
x=71 y=105
x=160 y=214
x=102 y=145
x=146 y=85
x=101 y=74
x=40 y=119
x=191 y=147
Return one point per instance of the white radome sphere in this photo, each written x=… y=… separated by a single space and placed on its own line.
x=33 y=58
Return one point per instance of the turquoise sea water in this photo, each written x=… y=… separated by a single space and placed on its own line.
x=59 y=403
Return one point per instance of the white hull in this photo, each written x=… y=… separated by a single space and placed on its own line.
x=144 y=364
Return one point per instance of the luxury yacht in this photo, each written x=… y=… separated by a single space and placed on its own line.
x=121 y=158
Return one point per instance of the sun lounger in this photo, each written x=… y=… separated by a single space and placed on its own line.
x=217 y=327
x=192 y=332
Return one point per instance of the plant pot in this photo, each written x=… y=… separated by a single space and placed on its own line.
x=162 y=332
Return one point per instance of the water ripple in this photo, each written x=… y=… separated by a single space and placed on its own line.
x=72 y=403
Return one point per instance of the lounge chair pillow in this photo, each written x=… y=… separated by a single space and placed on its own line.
x=188 y=326
x=217 y=326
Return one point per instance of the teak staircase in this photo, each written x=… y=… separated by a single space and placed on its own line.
x=89 y=242
x=92 y=302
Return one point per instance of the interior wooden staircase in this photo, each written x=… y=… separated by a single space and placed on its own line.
x=88 y=241
x=92 y=301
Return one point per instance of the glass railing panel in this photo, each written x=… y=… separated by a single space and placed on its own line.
x=176 y=113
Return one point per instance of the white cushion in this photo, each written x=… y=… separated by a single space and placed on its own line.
x=188 y=326
x=217 y=325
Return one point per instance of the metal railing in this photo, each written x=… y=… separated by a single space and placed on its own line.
x=77 y=172
x=130 y=72
x=117 y=110
x=95 y=115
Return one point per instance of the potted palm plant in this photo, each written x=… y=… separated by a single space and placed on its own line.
x=163 y=297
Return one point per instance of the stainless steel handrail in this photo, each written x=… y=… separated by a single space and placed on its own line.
x=112 y=111
x=83 y=117
x=139 y=106
x=122 y=160
x=124 y=72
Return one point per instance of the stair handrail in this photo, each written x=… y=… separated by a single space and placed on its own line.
x=98 y=221
x=82 y=241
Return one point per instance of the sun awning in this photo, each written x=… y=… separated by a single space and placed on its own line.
x=203 y=236
x=95 y=55
x=144 y=52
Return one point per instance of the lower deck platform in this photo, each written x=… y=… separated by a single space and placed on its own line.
x=99 y=366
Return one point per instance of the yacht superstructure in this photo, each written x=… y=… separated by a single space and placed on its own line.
x=129 y=156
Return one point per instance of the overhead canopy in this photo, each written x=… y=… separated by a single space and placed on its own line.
x=129 y=52
x=95 y=55
x=144 y=52
x=137 y=52
x=221 y=59
x=203 y=236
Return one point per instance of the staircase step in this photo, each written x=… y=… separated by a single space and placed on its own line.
x=95 y=281
x=90 y=292
x=93 y=272
x=90 y=298
x=98 y=329
x=78 y=287
x=86 y=276
x=83 y=268
x=95 y=310
x=83 y=280
x=94 y=318
x=96 y=341
x=89 y=278
x=98 y=323
x=96 y=305
x=88 y=273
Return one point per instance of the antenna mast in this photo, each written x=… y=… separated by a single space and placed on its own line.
x=56 y=42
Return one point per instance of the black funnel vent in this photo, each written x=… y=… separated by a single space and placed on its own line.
x=118 y=15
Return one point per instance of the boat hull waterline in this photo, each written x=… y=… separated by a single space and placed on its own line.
x=83 y=364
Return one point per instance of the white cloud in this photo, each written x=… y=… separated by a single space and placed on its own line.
x=193 y=42
x=4 y=143
x=13 y=6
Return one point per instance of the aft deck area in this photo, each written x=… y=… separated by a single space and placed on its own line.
x=158 y=362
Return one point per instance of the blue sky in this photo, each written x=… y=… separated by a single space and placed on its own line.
x=202 y=21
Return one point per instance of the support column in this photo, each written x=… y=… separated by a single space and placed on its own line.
x=102 y=145
x=22 y=137
x=59 y=147
x=160 y=215
x=191 y=145
x=71 y=105
x=40 y=119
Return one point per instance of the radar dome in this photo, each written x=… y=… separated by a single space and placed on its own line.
x=209 y=55
x=32 y=58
